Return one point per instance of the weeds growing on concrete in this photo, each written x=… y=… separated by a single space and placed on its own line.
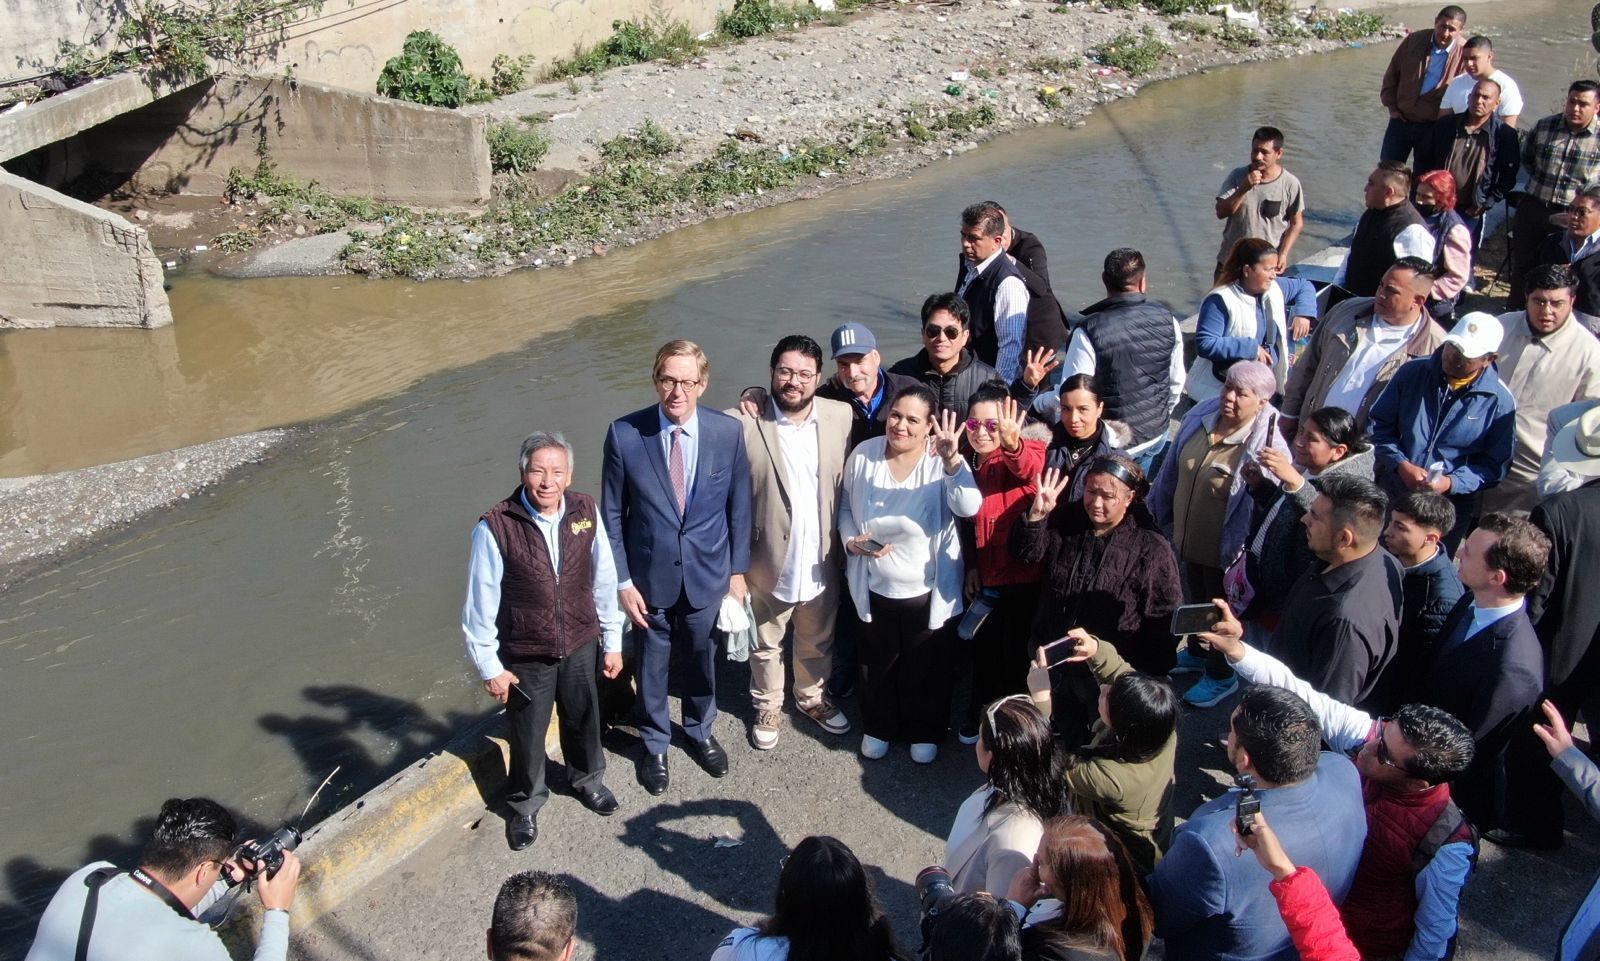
x=428 y=71
x=1135 y=54
x=508 y=74
x=515 y=147
x=286 y=201
x=1353 y=25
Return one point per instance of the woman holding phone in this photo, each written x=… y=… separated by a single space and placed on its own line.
x=897 y=516
x=1201 y=500
x=1107 y=570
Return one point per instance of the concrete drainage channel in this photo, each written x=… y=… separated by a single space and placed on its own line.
x=354 y=847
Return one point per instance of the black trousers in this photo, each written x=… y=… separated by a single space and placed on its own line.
x=1200 y=585
x=569 y=683
x=909 y=672
x=1530 y=225
x=1001 y=650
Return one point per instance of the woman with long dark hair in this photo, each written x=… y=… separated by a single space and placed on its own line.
x=1124 y=775
x=1097 y=909
x=997 y=827
x=1107 y=570
x=825 y=910
x=1242 y=319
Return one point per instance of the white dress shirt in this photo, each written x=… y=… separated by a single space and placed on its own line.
x=801 y=577
x=486 y=566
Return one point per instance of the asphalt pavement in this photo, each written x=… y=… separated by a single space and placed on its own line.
x=668 y=877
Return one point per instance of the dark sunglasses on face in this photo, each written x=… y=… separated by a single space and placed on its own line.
x=1383 y=748
x=932 y=332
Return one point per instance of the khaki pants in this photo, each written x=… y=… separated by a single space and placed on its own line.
x=812 y=652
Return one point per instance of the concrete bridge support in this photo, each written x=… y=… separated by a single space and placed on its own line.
x=70 y=264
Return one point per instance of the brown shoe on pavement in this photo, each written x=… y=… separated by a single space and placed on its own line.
x=764 y=736
x=829 y=717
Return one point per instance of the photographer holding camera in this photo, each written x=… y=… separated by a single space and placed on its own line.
x=102 y=913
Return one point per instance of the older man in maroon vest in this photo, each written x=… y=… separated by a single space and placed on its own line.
x=541 y=603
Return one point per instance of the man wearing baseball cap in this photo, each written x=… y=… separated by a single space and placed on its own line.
x=860 y=381
x=1446 y=423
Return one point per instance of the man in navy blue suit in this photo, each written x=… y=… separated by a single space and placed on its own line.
x=677 y=510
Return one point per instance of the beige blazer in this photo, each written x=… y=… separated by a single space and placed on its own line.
x=769 y=493
x=985 y=851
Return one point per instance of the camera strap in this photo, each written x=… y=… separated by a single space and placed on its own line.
x=160 y=890
x=91 y=904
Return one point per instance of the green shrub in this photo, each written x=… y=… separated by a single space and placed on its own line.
x=508 y=74
x=1194 y=28
x=752 y=18
x=1237 y=36
x=428 y=71
x=632 y=41
x=515 y=148
x=1355 y=25
x=1053 y=64
x=1133 y=53
x=1285 y=28
x=650 y=143
x=1177 y=8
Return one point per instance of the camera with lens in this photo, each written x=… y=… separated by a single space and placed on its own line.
x=267 y=854
x=934 y=894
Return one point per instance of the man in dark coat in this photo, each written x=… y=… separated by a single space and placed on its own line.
x=1565 y=610
x=1489 y=669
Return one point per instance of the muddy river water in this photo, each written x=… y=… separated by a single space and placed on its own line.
x=305 y=614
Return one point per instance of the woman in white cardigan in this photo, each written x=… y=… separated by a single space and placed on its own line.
x=897 y=517
x=997 y=830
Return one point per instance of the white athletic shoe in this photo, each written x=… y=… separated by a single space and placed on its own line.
x=872 y=748
x=924 y=753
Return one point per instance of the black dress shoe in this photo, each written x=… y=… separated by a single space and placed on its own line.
x=1508 y=838
x=653 y=773
x=710 y=755
x=599 y=799
x=521 y=831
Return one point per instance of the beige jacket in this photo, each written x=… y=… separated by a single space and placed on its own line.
x=1542 y=373
x=1334 y=340
x=985 y=851
x=769 y=496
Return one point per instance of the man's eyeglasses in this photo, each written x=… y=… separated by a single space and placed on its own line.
x=932 y=332
x=974 y=424
x=798 y=376
x=1383 y=748
x=670 y=384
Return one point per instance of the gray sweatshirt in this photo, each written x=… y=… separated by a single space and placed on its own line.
x=133 y=924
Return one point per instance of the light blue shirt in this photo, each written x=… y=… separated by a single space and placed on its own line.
x=689 y=441
x=1434 y=75
x=485 y=567
x=1482 y=617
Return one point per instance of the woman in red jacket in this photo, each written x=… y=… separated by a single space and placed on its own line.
x=1308 y=912
x=1001 y=591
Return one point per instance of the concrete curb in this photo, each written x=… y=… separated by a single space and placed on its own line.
x=358 y=844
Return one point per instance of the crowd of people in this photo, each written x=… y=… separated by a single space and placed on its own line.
x=1379 y=506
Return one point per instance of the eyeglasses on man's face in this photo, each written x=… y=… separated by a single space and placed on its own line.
x=670 y=384
x=798 y=376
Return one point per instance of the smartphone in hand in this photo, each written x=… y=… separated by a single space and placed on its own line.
x=1195 y=618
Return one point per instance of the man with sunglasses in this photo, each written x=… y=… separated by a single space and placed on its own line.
x=154 y=912
x=1406 y=762
x=947 y=364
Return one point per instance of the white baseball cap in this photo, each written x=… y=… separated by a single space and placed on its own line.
x=1476 y=334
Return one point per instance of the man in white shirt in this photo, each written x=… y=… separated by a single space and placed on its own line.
x=1359 y=345
x=994 y=289
x=1547 y=359
x=797 y=447
x=1478 y=63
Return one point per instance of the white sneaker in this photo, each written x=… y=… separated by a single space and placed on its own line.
x=924 y=753
x=764 y=735
x=872 y=748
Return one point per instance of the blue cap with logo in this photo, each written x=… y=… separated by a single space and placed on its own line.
x=852 y=339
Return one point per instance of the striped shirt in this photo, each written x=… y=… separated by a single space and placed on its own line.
x=1559 y=161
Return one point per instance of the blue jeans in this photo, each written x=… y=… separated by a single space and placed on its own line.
x=1149 y=460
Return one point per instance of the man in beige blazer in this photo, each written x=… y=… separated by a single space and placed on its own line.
x=797 y=448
